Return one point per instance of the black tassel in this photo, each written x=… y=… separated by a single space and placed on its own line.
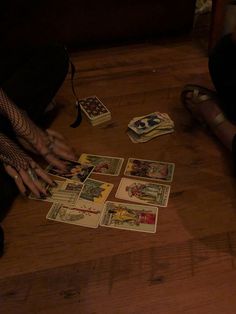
x=78 y=119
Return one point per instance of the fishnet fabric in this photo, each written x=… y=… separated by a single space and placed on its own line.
x=12 y=155
x=21 y=123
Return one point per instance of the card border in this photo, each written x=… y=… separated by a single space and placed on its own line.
x=84 y=111
x=130 y=204
x=107 y=174
x=70 y=223
x=151 y=204
x=163 y=162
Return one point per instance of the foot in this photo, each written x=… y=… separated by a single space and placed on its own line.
x=202 y=103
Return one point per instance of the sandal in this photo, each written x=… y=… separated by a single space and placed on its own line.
x=192 y=95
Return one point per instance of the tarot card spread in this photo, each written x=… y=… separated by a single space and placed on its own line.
x=143 y=192
x=103 y=164
x=132 y=217
x=150 y=169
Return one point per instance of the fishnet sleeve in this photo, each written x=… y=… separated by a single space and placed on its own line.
x=23 y=126
x=12 y=155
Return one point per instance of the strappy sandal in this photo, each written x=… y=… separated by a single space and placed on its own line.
x=192 y=95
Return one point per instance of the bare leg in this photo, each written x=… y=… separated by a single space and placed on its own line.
x=225 y=131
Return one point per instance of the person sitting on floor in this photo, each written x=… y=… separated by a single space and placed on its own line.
x=29 y=79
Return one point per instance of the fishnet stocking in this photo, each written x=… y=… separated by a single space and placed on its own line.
x=22 y=125
x=12 y=155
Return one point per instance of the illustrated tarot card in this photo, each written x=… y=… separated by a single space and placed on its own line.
x=93 y=107
x=66 y=192
x=126 y=216
x=86 y=214
x=150 y=169
x=74 y=171
x=143 y=192
x=96 y=191
x=103 y=164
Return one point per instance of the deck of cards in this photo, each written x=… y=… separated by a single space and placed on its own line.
x=95 y=110
x=143 y=129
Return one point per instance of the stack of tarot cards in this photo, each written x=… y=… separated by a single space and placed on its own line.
x=143 y=129
x=95 y=110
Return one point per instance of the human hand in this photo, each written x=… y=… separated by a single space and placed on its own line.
x=50 y=144
x=57 y=149
x=28 y=175
x=32 y=179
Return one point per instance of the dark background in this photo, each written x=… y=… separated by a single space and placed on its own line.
x=89 y=22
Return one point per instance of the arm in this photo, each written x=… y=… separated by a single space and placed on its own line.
x=49 y=144
x=22 y=168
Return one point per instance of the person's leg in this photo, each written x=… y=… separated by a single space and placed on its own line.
x=225 y=131
x=218 y=109
x=35 y=82
x=222 y=69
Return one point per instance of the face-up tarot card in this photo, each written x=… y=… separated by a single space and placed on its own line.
x=93 y=107
x=96 y=191
x=150 y=169
x=103 y=164
x=143 y=192
x=141 y=218
x=86 y=214
x=74 y=171
x=66 y=192
x=146 y=123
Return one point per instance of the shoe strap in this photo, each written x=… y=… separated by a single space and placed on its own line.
x=198 y=97
x=219 y=119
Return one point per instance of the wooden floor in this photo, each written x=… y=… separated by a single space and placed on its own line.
x=189 y=265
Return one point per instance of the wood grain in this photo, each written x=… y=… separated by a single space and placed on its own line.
x=188 y=266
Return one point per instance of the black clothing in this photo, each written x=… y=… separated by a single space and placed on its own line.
x=31 y=79
x=222 y=68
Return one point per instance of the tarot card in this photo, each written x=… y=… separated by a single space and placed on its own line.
x=150 y=169
x=143 y=192
x=143 y=138
x=146 y=123
x=86 y=214
x=103 y=164
x=132 y=217
x=96 y=191
x=74 y=171
x=93 y=107
x=66 y=192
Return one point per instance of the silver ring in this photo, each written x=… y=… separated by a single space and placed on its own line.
x=32 y=174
